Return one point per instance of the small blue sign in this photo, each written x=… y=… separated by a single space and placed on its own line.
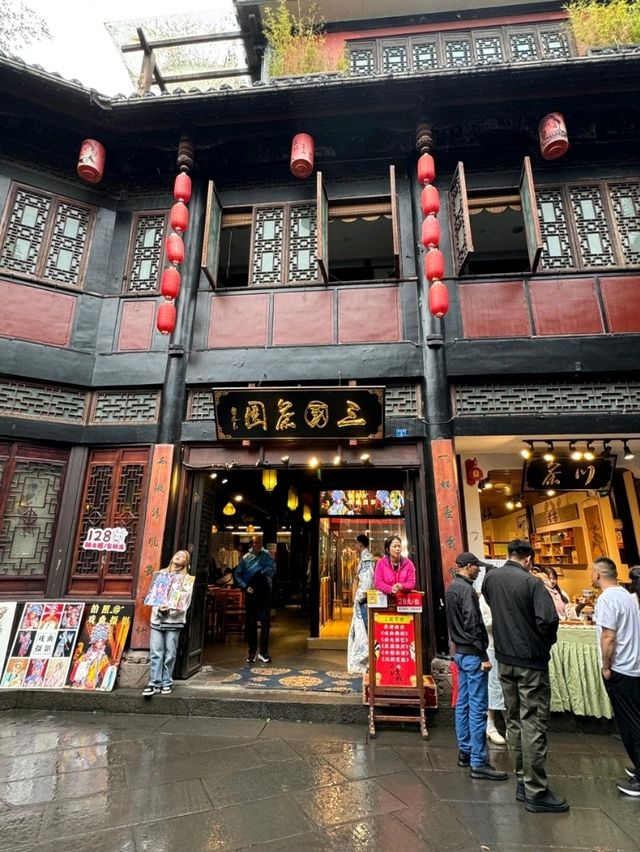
x=401 y=433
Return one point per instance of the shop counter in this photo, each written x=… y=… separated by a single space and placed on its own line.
x=574 y=669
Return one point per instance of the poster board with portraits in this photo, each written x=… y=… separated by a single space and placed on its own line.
x=100 y=645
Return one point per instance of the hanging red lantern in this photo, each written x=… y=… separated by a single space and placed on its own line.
x=175 y=248
x=426 y=169
x=430 y=200
x=431 y=232
x=554 y=139
x=438 y=299
x=170 y=282
x=166 y=319
x=179 y=217
x=473 y=472
x=434 y=265
x=91 y=161
x=182 y=187
x=302 y=151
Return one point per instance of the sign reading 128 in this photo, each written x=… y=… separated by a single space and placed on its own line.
x=110 y=538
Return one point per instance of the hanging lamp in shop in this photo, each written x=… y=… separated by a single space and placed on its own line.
x=306 y=513
x=292 y=499
x=269 y=478
x=229 y=509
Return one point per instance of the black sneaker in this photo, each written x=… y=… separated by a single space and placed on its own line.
x=150 y=691
x=251 y=658
x=487 y=772
x=520 y=796
x=630 y=787
x=464 y=759
x=546 y=802
x=631 y=772
x=264 y=659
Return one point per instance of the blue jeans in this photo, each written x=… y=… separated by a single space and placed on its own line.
x=164 y=646
x=471 y=708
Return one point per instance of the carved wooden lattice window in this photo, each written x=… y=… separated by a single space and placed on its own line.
x=523 y=46
x=302 y=244
x=555 y=44
x=145 y=252
x=45 y=237
x=268 y=245
x=488 y=49
x=30 y=488
x=425 y=55
x=594 y=242
x=114 y=496
x=361 y=60
x=458 y=52
x=557 y=252
x=394 y=58
x=625 y=201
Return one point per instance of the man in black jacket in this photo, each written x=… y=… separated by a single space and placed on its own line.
x=525 y=627
x=469 y=634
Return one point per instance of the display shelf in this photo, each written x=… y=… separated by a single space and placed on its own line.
x=560 y=547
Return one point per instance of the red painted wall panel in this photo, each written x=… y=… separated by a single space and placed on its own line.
x=368 y=315
x=136 y=325
x=37 y=315
x=238 y=321
x=621 y=297
x=303 y=318
x=494 y=310
x=565 y=306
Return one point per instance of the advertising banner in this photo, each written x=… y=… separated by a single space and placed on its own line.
x=100 y=646
x=394 y=649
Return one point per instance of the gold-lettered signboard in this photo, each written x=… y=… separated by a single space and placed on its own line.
x=303 y=413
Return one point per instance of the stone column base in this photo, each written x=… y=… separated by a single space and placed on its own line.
x=134 y=670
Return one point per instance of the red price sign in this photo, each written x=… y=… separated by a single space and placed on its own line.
x=409 y=602
x=394 y=649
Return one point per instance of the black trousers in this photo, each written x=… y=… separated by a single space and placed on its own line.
x=258 y=609
x=624 y=694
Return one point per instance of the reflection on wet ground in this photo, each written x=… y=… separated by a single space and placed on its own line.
x=88 y=782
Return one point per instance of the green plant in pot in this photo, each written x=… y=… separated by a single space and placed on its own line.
x=596 y=25
x=298 y=43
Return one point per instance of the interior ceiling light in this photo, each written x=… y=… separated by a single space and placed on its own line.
x=237 y=498
x=313 y=462
x=338 y=459
x=549 y=456
x=285 y=460
x=488 y=484
x=224 y=481
x=627 y=452
x=588 y=454
x=550 y=492
x=606 y=449
x=365 y=457
x=527 y=452
x=213 y=476
x=575 y=453
x=510 y=505
x=518 y=503
x=229 y=509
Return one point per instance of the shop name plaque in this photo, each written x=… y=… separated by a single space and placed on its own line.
x=566 y=474
x=259 y=414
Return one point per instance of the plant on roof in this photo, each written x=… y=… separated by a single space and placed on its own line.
x=298 y=43
x=598 y=24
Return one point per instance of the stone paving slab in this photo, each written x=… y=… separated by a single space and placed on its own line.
x=155 y=783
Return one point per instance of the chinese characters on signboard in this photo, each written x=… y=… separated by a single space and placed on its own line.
x=43 y=646
x=335 y=413
x=447 y=503
x=394 y=649
x=567 y=474
x=110 y=538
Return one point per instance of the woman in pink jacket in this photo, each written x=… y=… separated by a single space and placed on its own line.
x=394 y=573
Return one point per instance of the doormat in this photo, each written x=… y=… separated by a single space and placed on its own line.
x=300 y=680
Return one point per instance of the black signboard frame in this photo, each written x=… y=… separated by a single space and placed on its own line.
x=309 y=413
x=567 y=474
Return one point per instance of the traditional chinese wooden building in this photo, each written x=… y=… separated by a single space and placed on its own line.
x=322 y=376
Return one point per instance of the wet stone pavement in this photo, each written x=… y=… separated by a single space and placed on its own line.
x=89 y=782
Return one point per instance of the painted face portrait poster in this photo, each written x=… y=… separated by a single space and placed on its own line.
x=7 y=614
x=100 y=646
x=43 y=646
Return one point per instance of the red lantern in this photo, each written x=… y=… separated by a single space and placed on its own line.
x=438 y=299
x=434 y=265
x=552 y=132
x=179 y=217
x=170 y=282
x=166 y=319
x=426 y=169
x=182 y=187
x=473 y=472
x=431 y=232
x=175 y=248
x=302 y=150
x=430 y=200
x=91 y=161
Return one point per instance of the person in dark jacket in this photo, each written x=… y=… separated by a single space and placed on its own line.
x=525 y=627
x=467 y=631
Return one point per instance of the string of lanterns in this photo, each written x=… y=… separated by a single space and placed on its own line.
x=174 y=248
x=430 y=204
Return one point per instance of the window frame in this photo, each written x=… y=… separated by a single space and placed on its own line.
x=44 y=250
x=127 y=278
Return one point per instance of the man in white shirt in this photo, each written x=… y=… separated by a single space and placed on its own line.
x=617 y=618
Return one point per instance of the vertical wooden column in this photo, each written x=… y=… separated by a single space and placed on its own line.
x=447 y=496
x=152 y=538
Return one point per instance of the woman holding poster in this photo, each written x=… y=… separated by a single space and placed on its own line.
x=166 y=624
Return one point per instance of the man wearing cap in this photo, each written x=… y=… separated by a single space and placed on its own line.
x=469 y=635
x=525 y=627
